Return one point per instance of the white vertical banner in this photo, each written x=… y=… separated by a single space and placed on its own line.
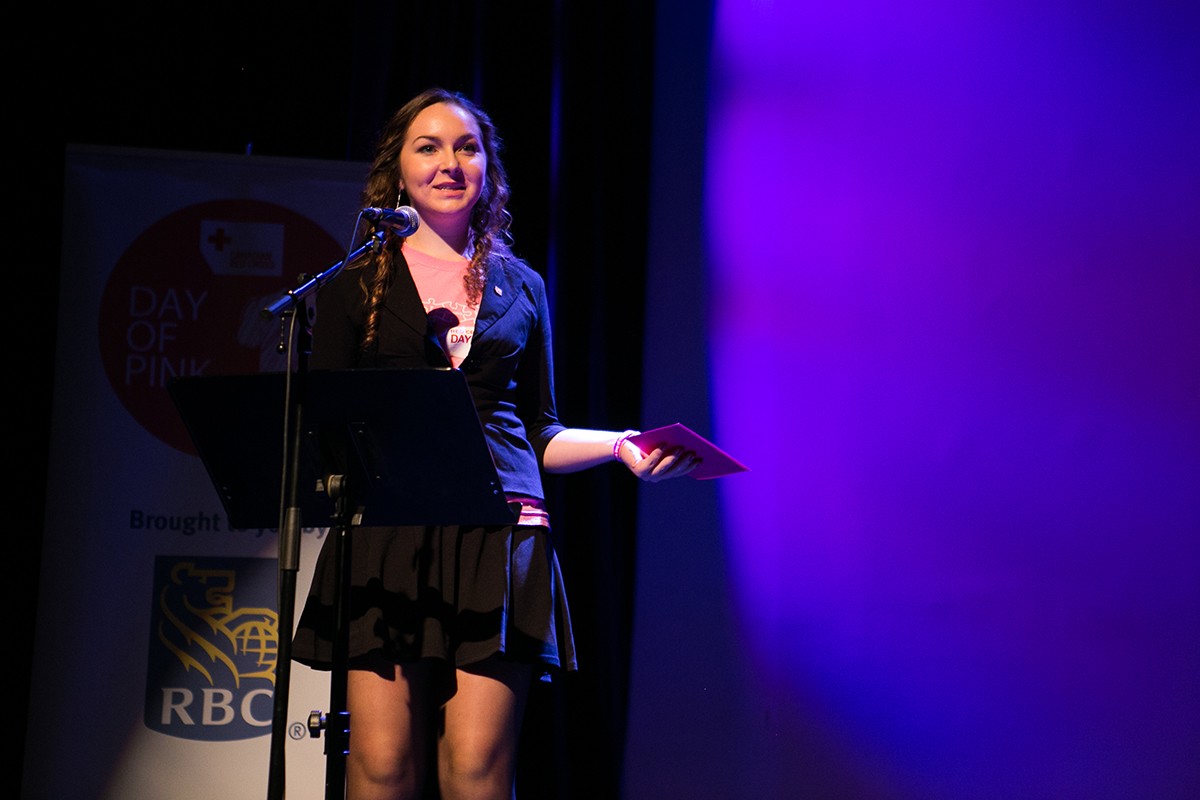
x=157 y=629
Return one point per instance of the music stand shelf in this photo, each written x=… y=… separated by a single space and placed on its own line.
x=409 y=440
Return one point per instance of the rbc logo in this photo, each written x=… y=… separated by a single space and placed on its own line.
x=214 y=641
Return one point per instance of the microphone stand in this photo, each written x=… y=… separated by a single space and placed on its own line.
x=290 y=523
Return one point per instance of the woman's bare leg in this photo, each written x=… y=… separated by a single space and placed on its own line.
x=390 y=731
x=477 y=750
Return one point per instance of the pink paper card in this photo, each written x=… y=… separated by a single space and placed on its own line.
x=714 y=462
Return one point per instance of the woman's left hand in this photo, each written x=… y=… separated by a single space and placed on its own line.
x=659 y=464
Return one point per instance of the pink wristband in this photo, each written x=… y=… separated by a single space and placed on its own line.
x=620 y=442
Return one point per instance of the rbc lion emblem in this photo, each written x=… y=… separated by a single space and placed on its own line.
x=213 y=647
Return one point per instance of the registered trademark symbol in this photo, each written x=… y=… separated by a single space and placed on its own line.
x=297 y=731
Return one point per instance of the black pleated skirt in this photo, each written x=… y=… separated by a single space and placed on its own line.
x=458 y=594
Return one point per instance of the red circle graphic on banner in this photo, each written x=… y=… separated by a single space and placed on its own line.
x=186 y=297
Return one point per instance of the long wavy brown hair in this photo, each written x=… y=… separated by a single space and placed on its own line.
x=490 y=220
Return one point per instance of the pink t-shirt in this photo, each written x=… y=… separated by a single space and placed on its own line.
x=440 y=285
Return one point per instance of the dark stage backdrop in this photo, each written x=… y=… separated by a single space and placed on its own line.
x=930 y=270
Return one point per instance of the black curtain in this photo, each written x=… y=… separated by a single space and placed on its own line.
x=599 y=208
x=569 y=86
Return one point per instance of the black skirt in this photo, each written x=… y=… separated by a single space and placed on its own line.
x=458 y=594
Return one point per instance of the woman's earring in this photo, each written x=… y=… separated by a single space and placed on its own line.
x=399 y=198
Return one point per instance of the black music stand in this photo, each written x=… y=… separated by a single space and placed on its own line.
x=377 y=447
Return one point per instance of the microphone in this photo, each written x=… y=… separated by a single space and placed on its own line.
x=403 y=220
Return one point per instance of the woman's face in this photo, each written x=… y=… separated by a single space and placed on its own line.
x=443 y=166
